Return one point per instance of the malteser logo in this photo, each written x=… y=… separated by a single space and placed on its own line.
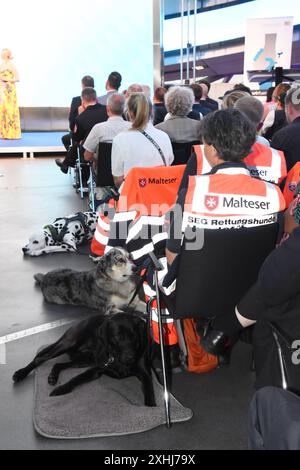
x=292 y=187
x=142 y=182
x=211 y=202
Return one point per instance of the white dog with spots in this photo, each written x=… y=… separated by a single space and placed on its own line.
x=64 y=235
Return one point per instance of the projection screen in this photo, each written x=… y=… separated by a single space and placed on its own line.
x=55 y=43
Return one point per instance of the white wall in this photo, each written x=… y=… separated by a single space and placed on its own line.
x=56 y=42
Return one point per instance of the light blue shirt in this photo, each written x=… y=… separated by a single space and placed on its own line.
x=261 y=140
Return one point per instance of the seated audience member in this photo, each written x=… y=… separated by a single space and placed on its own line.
x=254 y=110
x=113 y=84
x=198 y=112
x=276 y=119
x=179 y=101
x=159 y=108
x=92 y=114
x=231 y=97
x=264 y=162
x=76 y=103
x=274 y=297
x=206 y=101
x=146 y=90
x=106 y=131
x=142 y=145
x=242 y=87
x=134 y=88
x=228 y=137
x=288 y=138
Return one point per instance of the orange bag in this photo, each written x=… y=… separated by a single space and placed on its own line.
x=199 y=361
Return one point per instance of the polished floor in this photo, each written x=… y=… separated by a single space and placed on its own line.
x=33 y=192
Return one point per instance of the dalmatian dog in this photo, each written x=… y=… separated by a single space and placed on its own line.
x=64 y=235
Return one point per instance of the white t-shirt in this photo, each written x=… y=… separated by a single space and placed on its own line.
x=105 y=132
x=132 y=149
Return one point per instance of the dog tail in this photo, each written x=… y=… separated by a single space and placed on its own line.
x=38 y=278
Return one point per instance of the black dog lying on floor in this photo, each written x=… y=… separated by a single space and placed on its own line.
x=115 y=345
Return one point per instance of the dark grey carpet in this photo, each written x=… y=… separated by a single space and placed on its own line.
x=104 y=407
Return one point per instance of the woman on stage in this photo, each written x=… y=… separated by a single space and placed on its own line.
x=10 y=127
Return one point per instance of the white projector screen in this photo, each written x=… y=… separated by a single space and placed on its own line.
x=56 y=42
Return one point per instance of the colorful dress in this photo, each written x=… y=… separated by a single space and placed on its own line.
x=10 y=127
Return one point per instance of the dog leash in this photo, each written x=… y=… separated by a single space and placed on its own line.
x=138 y=287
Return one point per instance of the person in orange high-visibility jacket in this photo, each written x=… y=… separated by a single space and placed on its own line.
x=228 y=197
x=263 y=162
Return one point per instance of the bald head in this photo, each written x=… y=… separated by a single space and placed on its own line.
x=116 y=104
x=252 y=108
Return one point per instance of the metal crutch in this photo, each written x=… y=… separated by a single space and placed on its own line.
x=159 y=267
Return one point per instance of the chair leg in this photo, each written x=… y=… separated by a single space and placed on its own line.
x=162 y=350
x=92 y=194
x=79 y=174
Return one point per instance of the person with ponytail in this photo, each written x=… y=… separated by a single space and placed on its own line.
x=142 y=145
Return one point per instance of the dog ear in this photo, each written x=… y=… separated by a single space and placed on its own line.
x=102 y=265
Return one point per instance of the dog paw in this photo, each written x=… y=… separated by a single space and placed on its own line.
x=19 y=375
x=62 y=390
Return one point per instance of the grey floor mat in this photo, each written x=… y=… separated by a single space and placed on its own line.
x=102 y=408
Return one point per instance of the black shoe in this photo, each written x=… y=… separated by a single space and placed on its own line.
x=215 y=343
x=225 y=358
x=60 y=163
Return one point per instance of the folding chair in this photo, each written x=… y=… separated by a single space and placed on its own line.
x=211 y=280
x=182 y=152
x=274 y=414
x=84 y=169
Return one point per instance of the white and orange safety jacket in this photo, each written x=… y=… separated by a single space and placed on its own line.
x=263 y=162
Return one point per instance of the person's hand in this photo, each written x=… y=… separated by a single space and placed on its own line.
x=81 y=109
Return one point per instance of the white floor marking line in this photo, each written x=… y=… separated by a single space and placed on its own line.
x=33 y=331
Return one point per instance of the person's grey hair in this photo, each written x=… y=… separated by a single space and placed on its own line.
x=293 y=96
x=252 y=108
x=116 y=103
x=230 y=99
x=134 y=88
x=179 y=101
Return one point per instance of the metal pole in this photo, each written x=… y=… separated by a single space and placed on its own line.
x=162 y=352
x=195 y=40
x=188 y=42
x=181 y=50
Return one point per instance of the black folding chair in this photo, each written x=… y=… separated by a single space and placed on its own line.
x=84 y=171
x=212 y=280
x=182 y=152
x=104 y=175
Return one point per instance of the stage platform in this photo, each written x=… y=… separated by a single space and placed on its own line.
x=33 y=143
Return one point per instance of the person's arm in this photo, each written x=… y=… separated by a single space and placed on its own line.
x=289 y=222
x=118 y=180
x=91 y=144
x=88 y=156
x=279 y=276
x=175 y=228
